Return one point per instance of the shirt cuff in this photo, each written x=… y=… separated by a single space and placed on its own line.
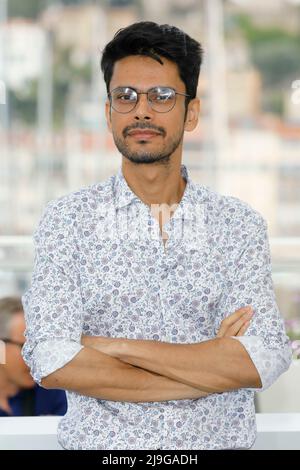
x=50 y=355
x=270 y=363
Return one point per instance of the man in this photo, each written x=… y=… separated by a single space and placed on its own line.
x=19 y=395
x=138 y=299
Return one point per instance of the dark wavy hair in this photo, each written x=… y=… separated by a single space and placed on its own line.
x=150 y=39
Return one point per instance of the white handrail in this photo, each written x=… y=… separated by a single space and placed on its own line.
x=15 y=240
x=276 y=431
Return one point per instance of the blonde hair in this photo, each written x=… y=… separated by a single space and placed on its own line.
x=8 y=307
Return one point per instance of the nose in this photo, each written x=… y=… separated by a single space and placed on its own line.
x=143 y=109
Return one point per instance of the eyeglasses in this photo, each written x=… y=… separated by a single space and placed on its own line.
x=10 y=341
x=161 y=99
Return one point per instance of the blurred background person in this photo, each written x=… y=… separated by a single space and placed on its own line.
x=19 y=394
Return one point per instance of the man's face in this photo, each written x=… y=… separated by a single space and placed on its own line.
x=143 y=73
x=16 y=370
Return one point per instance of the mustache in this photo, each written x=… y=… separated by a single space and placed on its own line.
x=144 y=125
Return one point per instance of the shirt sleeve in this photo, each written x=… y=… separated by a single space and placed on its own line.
x=52 y=305
x=251 y=283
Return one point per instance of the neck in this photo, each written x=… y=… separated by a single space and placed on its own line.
x=155 y=184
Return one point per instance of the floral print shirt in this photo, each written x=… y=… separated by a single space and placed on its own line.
x=101 y=268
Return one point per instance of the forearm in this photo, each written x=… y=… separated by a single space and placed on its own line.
x=96 y=374
x=213 y=366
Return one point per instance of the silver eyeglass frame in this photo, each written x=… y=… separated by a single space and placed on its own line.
x=144 y=93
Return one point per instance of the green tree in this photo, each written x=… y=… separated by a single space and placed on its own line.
x=32 y=8
x=65 y=75
x=25 y=8
x=275 y=53
x=23 y=103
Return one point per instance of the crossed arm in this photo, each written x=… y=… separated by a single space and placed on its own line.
x=141 y=370
x=217 y=365
x=213 y=366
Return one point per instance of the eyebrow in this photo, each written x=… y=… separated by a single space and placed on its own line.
x=150 y=88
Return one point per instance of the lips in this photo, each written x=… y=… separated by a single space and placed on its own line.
x=143 y=133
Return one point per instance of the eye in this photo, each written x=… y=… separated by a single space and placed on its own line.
x=162 y=95
x=125 y=97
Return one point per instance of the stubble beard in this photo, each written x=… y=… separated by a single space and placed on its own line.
x=145 y=156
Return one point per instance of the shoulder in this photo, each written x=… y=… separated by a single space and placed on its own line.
x=81 y=200
x=229 y=211
x=231 y=224
x=62 y=215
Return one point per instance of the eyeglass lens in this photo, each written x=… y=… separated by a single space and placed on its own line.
x=161 y=99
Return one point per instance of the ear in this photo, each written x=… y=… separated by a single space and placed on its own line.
x=108 y=115
x=192 y=115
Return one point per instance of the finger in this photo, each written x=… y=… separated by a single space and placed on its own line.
x=231 y=319
x=234 y=317
x=237 y=329
x=243 y=329
x=234 y=329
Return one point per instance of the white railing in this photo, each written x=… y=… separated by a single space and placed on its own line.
x=15 y=240
x=275 y=432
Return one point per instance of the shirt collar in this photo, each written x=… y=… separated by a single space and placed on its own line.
x=123 y=193
x=125 y=196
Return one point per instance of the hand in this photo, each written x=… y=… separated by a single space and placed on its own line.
x=7 y=390
x=4 y=405
x=237 y=323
